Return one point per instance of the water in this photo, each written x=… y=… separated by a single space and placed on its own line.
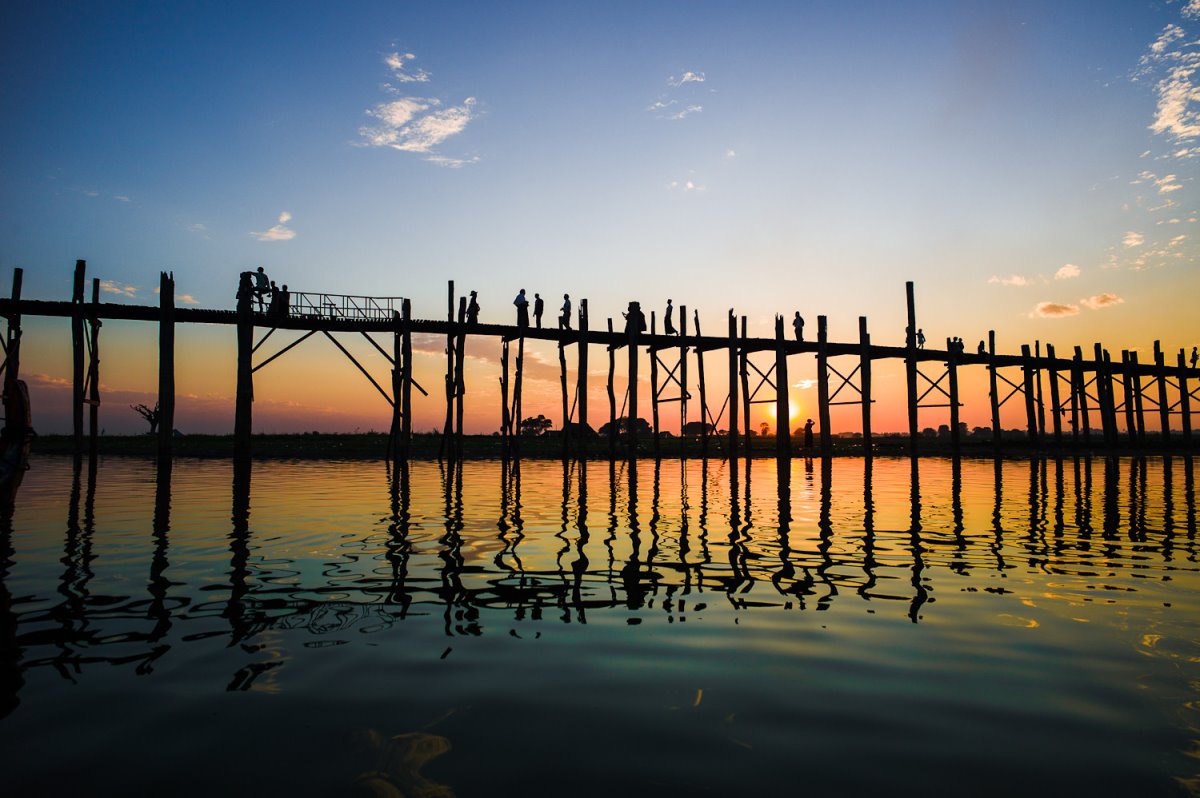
x=1027 y=628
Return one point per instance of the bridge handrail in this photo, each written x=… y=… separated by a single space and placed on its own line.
x=342 y=306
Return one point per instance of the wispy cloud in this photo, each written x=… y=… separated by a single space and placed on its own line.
x=1014 y=280
x=1067 y=272
x=684 y=185
x=121 y=198
x=730 y=154
x=1133 y=239
x=691 y=109
x=199 y=229
x=418 y=125
x=686 y=77
x=1101 y=301
x=279 y=232
x=663 y=107
x=120 y=289
x=1054 y=310
x=1172 y=63
x=187 y=299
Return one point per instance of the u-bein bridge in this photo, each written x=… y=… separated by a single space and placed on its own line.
x=1087 y=395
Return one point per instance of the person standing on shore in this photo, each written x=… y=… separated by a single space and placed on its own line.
x=522 y=309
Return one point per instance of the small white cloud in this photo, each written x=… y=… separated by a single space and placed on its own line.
x=1067 y=272
x=1167 y=184
x=730 y=154
x=1191 y=10
x=120 y=289
x=686 y=77
x=187 y=299
x=691 y=109
x=396 y=62
x=1133 y=239
x=804 y=385
x=121 y=198
x=1177 y=240
x=685 y=185
x=1054 y=310
x=659 y=105
x=279 y=232
x=414 y=124
x=1100 y=301
x=1013 y=280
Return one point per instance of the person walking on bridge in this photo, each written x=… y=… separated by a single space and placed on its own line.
x=564 y=320
x=522 y=309
x=668 y=321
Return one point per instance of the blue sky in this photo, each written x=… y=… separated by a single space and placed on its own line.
x=1029 y=165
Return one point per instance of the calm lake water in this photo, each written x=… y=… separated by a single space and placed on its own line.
x=333 y=628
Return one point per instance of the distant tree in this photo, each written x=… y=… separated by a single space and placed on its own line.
x=152 y=416
x=764 y=429
x=697 y=428
x=640 y=426
x=536 y=426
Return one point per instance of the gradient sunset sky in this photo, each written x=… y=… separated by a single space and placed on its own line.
x=1030 y=165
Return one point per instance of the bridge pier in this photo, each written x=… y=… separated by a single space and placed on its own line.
x=166 y=365
x=242 y=414
x=864 y=343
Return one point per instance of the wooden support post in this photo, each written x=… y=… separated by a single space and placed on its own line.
x=1130 y=404
x=683 y=381
x=582 y=390
x=460 y=384
x=566 y=412
x=77 y=349
x=744 y=363
x=1164 y=407
x=654 y=386
x=517 y=384
x=406 y=387
x=94 y=373
x=448 y=426
x=612 y=396
x=505 y=417
x=1037 y=381
x=1056 y=406
x=1079 y=400
x=1104 y=397
x=704 y=415
x=993 y=390
x=952 y=377
x=864 y=371
x=1185 y=401
x=166 y=365
x=1030 y=409
x=823 y=385
x=12 y=359
x=733 y=389
x=631 y=418
x=242 y=418
x=783 y=408
x=910 y=366
x=1135 y=381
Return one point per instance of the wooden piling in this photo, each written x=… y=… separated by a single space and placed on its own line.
x=395 y=444
x=1130 y=404
x=94 y=374
x=631 y=418
x=1056 y=407
x=1164 y=407
x=1104 y=397
x=448 y=426
x=1185 y=400
x=744 y=366
x=581 y=392
x=864 y=371
x=910 y=367
x=505 y=418
x=562 y=379
x=1030 y=409
x=612 y=397
x=166 y=365
x=77 y=353
x=733 y=389
x=823 y=385
x=683 y=381
x=654 y=386
x=704 y=414
x=1135 y=381
x=1079 y=407
x=993 y=390
x=460 y=384
x=783 y=410
x=952 y=377
x=517 y=385
x=1037 y=382
x=12 y=348
x=242 y=414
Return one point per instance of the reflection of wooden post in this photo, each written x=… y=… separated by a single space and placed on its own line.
x=1164 y=409
x=823 y=384
x=683 y=381
x=783 y=409
x=864 y=370
x=733 y=390
x=993 y=390
x=952 y=377
x=94 y=372
x=910 y=366
x=1030 y=397
x=703 y=395
x=242 y=417
x=612 y=396
x=582 y=390
x=166 y=364
x=1055 y=399
x=77 y=346
x=1185 y=401
x=653 y=349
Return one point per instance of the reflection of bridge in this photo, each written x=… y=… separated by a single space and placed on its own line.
x=1069 y=402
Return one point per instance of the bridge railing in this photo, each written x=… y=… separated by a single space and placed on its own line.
x=305 y=304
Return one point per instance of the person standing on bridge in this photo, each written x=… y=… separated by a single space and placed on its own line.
x=1195 y=356
x=564 y=319
x=522 y=309
x=539 y=307
x=473 y=310
x=920 y=338
x=261 y=288
x=798 y=326
x=668 y=321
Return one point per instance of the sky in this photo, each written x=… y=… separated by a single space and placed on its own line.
x=1030 y=166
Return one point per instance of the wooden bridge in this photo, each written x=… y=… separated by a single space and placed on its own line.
x=1089 y=392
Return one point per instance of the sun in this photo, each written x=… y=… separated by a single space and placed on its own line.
x=793 y=410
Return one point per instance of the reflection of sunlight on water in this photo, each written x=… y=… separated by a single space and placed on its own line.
x=1027 y=617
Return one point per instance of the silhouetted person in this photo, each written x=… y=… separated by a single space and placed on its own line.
x=473 y=310
x=668 y=321
x=522 y=309
x=798 y=326
x=539 y=306
x=262 y=286
x=634 y=318
x=564 y=317
x=982 y=348
x=1195 y=356
x=283 y=305
x=920 y=338
x=808 y=428
x=273 y=305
